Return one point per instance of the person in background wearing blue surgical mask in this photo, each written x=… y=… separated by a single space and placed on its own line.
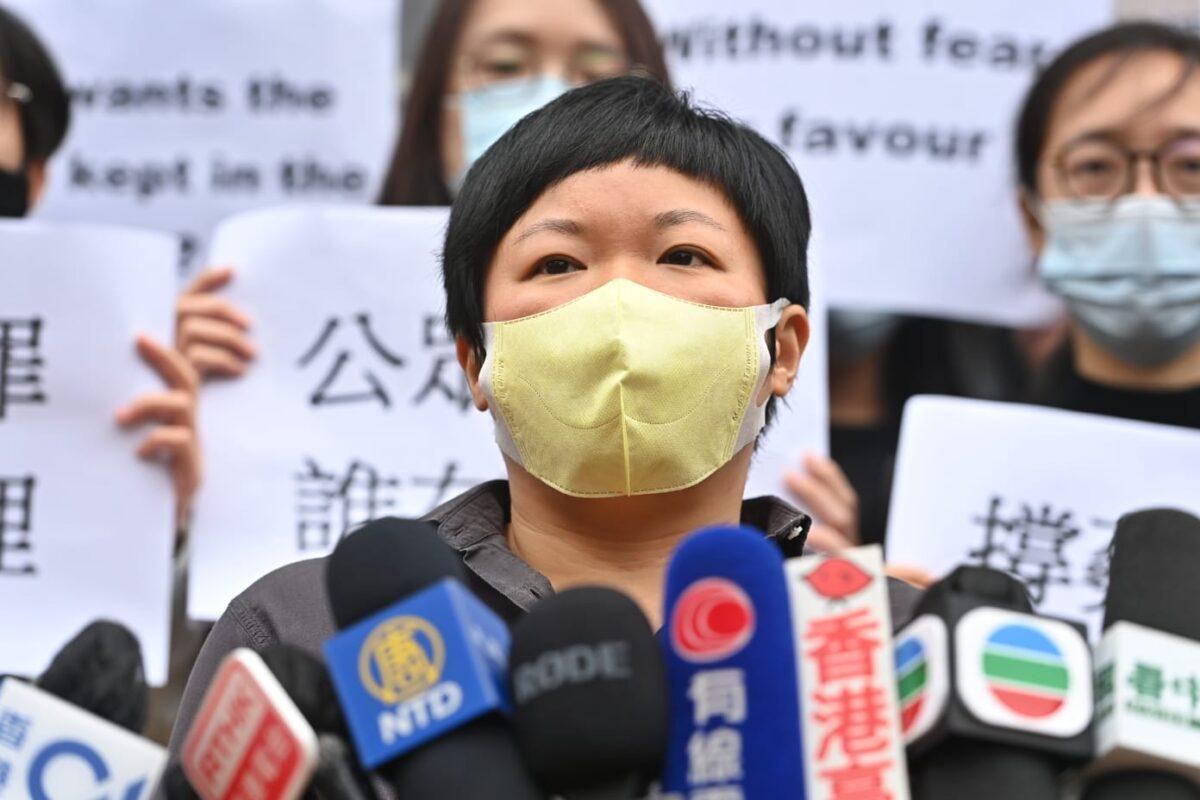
x=1108 y=150
x=483 y=65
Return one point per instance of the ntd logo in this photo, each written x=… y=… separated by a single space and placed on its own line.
x=713 y=619
x=400 y=664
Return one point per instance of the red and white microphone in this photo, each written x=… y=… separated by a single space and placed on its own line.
x=249 y=738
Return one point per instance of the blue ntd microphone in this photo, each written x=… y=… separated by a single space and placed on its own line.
x=731 y=670
x=419 y=666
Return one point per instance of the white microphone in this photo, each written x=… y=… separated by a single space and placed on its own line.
x=51 y=749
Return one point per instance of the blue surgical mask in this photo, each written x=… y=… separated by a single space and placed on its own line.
x=487 y=112
x=1129 y=273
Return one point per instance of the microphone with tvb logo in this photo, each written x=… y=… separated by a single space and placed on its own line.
x=1148 y=663
x=590 y=695
x=731 y=671
x=419 y=667
x=843 y=632
x=995 y=701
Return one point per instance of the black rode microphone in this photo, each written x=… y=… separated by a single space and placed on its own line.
x=590 y=695
x=100 y=670
x=381 y=563
x=1148 y=663
x=995 y=701
x=305 y=679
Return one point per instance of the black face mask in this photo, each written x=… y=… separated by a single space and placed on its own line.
x=14 y=193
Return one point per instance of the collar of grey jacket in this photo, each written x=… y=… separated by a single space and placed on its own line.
x=473 y=524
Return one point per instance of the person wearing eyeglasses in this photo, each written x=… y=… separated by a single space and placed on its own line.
x=483 y=65
x=1108 y=153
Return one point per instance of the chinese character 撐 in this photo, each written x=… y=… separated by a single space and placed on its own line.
x=370 y=387
x=328 y=505
x=1028 y=545
x=16 y=523
x=20 y=363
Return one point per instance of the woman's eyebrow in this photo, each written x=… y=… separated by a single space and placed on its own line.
x=568 y=227
x=680 y=216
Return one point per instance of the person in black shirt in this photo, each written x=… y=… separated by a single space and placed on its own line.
x=1108 y=150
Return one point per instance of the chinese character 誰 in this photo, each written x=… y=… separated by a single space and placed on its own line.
x=328 y=505
x=20 y=363
x=16 y=518
x=342 y=382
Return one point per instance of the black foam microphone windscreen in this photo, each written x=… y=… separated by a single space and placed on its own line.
x=1143 y=785
x=386 y=560
x=1154 y=558
x=590 y=696
x=100 y=670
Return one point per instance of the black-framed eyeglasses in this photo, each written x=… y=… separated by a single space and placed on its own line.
x=1102 y=169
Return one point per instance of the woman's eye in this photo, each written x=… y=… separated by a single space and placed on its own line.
x=558 y=266
x=685 y=258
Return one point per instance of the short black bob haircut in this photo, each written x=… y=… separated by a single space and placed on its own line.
x=603 y=123
x=1125 y=40
x=24 y=60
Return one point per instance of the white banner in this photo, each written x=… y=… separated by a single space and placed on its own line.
x=185 y=112
x=86 y=528
x=899 y=116
x=1031 y=491
x=356 y=406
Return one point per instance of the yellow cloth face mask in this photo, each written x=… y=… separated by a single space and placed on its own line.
x=626 y=390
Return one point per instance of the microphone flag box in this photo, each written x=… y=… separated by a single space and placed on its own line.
x=51 y=749
x=417 y=669
x=997 y=675
x=734 y=728
x=1147 y=700
x=249 y=738
x=848 y=693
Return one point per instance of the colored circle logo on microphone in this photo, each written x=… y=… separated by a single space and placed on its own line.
x=713 y=619
x=912 y=670
x=1025 y=671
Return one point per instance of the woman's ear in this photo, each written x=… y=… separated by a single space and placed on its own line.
x=470 y=366
x=791 y=338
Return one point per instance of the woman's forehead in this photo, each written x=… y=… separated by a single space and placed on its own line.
x=1135 y=96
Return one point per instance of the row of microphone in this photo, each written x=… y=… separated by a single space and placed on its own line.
x=770 y=679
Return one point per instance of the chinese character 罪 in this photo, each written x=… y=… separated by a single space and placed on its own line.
x=719 y=693
x=16 y=522
x=20 y=381
x=330 y=505
x=1028 y=545
x=371 y=388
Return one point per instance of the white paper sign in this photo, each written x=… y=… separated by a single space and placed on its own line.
x=86 y=528
x=356 y=406
x=185 y=112
x=898 y=114
x=52 y=749
x=1035 y=492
